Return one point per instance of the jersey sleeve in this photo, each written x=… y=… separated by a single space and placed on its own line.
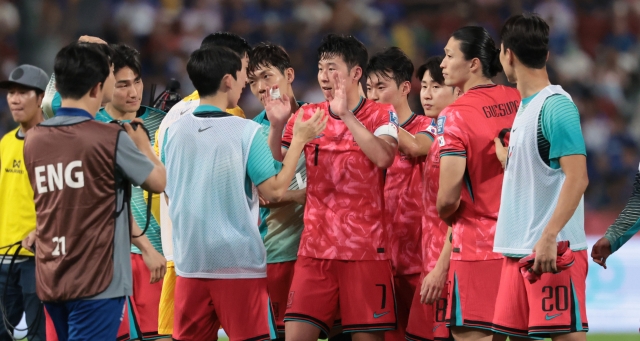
x=260 y=165
x=561 y=127
x=429 y=130
x=386 y=123
x=130 y=161
x=628 y=222
x=452 y=139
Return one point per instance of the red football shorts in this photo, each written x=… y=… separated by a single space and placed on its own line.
x=140 y=321
x=405 y=287
x=427 y=322
x=554 y=304
x=473 y=290
x=240 y=305
x=50 y=329
x=362 y=291
x=279 y=278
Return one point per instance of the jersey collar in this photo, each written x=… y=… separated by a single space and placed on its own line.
x=18 y=135
x=354 y=111
x=483 y=86
x=409 y=120
x=74 y=112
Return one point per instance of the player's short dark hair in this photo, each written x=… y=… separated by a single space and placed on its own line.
x=268 y=55
x=126 y=56
x=475 y=42
x=351 y=50
x=527 y=35
x=207 y=66
x=229 y=40
x=79 y=67
x=433 y=66
x=391 y=63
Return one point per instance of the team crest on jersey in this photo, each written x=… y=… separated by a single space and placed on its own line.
x=441 y=141
x=441 y=121
x=393 y=118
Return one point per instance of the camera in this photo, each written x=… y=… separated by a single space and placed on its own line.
x=134 y=125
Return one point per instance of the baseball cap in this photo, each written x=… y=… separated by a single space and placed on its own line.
x=27 y=75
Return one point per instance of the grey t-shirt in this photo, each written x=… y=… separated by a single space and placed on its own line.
x=135 y=167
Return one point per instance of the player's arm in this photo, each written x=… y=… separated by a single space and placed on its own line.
x=501 y=151
x=576 y=181
x=453 y=141
x=626 y=226
x=155 y=262
x=298 y=196
x=433 y=283
x=275 y=187
x=414 y=145
x=381 y=146
x=156 y=181
x=452 y=168
x=561 y=127
x=275 y=140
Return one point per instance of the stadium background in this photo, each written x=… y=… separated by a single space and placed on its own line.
x=594 y=54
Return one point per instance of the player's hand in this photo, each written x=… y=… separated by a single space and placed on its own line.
x=263 y=201
x=546 y=250
x=29 y=242
x=299 y=196
x=156 y=263
x=138 y=135
x=91 y=39
x=501 y=152
x=601 y=251
x=432 y=286
x=305 y=131
x=278 y=109
x=338 y=101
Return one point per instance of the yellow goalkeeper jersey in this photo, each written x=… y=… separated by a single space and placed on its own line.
x=17 y=208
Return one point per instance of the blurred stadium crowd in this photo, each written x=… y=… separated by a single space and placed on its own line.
x=595 y=53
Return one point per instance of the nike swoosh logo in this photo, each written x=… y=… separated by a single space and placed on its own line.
x=201 y=130
x=438 y=326
x=375 y=316
x=547 y=317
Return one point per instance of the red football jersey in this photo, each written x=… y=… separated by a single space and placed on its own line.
x=403 y=203
x=467 y=128
x=343 y=217
x=434 y=230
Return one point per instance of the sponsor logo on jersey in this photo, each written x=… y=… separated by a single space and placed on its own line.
x=15 y=167
x=441 y=121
